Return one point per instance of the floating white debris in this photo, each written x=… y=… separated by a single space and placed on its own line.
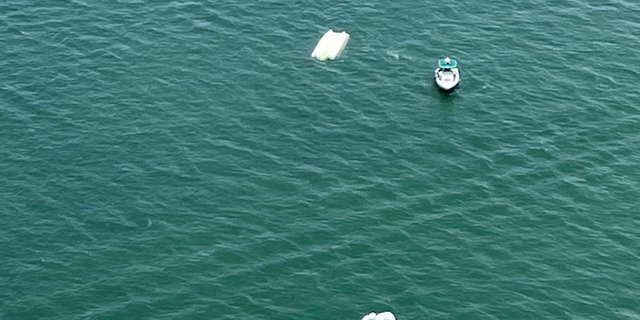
x=385 y=316
x=330 y=45
x=380 y=316
x=370 y=316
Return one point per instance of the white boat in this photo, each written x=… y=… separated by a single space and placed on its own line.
x=330 y=45
x=447 y=74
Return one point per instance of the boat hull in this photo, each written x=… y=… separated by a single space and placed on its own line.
x=330 y=45
x=447 y=79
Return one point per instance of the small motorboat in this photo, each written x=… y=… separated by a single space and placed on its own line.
x=447 y=74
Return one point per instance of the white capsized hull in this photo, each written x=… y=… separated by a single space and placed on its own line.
x=330 y=45
x=448 y=79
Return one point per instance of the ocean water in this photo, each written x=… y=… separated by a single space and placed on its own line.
x=189 y=160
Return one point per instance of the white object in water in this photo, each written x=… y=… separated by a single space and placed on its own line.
x=385 y=316
x=370 y=316
x=380 y=316
x=447 y=74
x=330 y=45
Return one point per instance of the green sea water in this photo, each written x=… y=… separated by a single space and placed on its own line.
x=189 y=160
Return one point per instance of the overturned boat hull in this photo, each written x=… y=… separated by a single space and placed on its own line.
x=330 y=45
